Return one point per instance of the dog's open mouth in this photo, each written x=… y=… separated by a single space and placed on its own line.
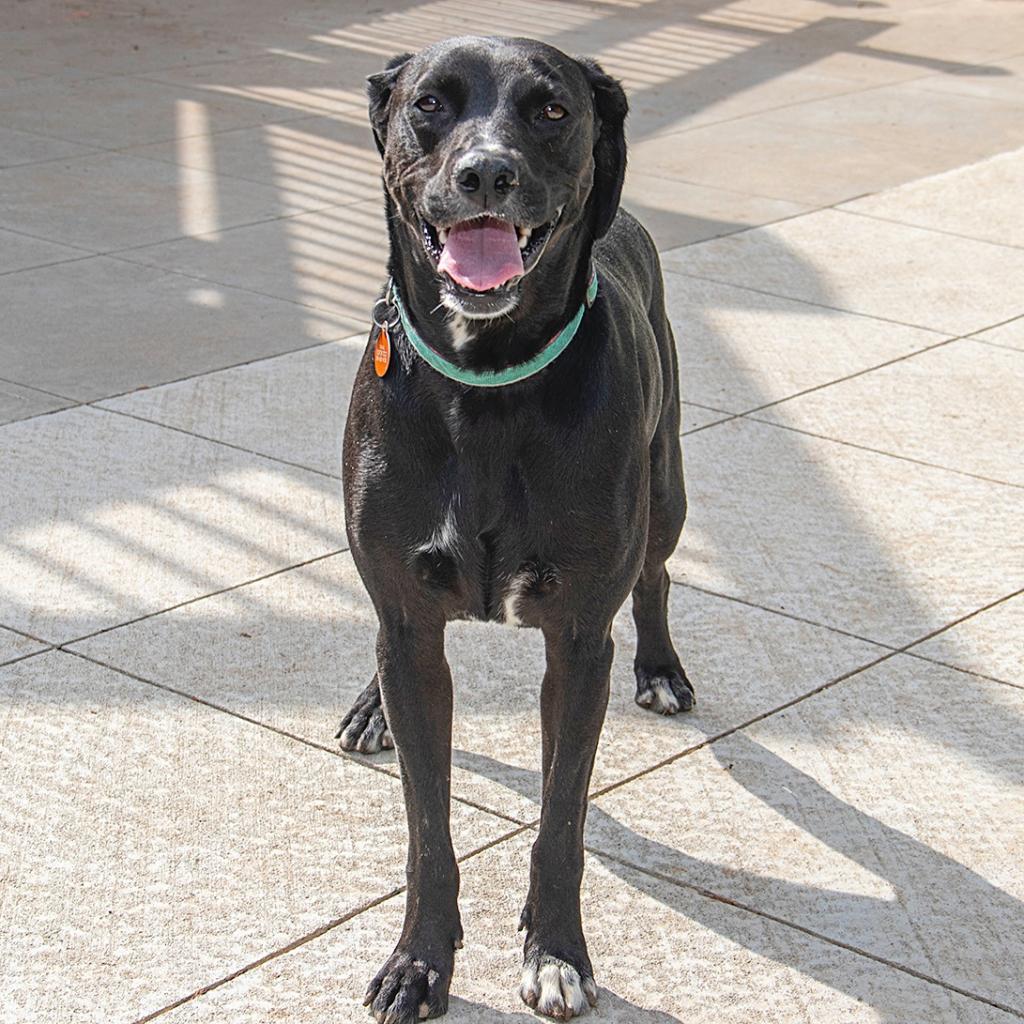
x=485 y=253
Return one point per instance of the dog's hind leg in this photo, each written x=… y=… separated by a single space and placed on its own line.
x=365 y=729
x=661 y=683
x=417 y=689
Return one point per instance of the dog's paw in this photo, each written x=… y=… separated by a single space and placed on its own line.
x=407 y=989
x=364 y=729
x=664 y=691
x=555 y=988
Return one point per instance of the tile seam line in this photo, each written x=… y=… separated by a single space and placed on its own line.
x=276 y=187
x=943 y=334
x=94 y=402
x=24 y=657
x=965 y=671
x=891 y=653
x=84 y=250
x=117 y=251
x=40 y=415
x=880 y=451
x=999 y=344
x=51 y=263
x=765 y=112
x=42 y=391
x=201 y=597
x=821 y=937
x=317 y=932
x=118 y=254
x=928 y=227
x=968 y=336
x=780 y=612
x=248 y=720
x=212 y=440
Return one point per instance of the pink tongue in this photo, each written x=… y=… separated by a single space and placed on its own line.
x=482 y=254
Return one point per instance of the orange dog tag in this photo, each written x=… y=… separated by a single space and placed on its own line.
x=382 y=352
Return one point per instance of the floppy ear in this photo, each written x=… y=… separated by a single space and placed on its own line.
x=610 y=108
x=379 y=88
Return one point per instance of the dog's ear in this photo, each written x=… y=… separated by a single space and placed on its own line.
x=610 y=108
x=379 y=88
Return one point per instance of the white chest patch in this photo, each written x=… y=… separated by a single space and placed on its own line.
x=516 y=587
x=458 y=327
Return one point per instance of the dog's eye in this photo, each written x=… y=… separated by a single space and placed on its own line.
x=429 y=104
x=553 y=112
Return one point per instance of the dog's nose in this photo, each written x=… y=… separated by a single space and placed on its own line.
x=486 y=175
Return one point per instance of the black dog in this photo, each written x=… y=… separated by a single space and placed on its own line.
x=511 y=454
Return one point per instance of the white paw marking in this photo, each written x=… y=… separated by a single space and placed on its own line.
x=424 y=1011
x=659 y=697
x=555 y=989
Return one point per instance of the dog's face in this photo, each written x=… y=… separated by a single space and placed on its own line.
x=495 y=152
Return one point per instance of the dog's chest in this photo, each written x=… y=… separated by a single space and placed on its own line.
x=491 y=549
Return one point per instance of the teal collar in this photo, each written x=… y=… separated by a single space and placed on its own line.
x=511 y=374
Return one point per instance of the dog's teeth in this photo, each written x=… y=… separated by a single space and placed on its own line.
x=524 y=237
x=442 y=235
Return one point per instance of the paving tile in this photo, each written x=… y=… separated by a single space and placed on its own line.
x=333 y=260
x=163 y=870
x=296 y=649
x=18 y=403
x=291 y=407
x=884 y=812
x=14 y=645
x=738 y=967
x=969 y=126
x=114 y=518
x=887 y=549
x=312 y=163
x=1009 y=335
x=813 y=167
x=101 y=326
x=326 y=81
x=740 y=349
x=27 y=148
x=990 y=643
x=948 y=407
x=21 y=252
x=678 y=213
x=112 y=201
x=119 y=111
x=1002 y=79
x=968 y=201
x=117 y=40
x=715 y=77
x=895 y=271
x=696 y=416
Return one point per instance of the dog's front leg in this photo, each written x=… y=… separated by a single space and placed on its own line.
x=558 y=979
x=416 y=687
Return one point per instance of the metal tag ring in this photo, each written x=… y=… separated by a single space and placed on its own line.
x=391 y=321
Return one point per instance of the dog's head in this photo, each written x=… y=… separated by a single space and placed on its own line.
x=497 y=152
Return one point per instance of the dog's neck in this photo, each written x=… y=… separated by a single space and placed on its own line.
x=550 y=297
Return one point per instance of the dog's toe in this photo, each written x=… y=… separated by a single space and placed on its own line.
x=407 y=990
x=364 y=729
x=664 y=692
x=556 y=989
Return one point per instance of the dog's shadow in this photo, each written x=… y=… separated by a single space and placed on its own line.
x=610 y=1008
x=924 y=876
